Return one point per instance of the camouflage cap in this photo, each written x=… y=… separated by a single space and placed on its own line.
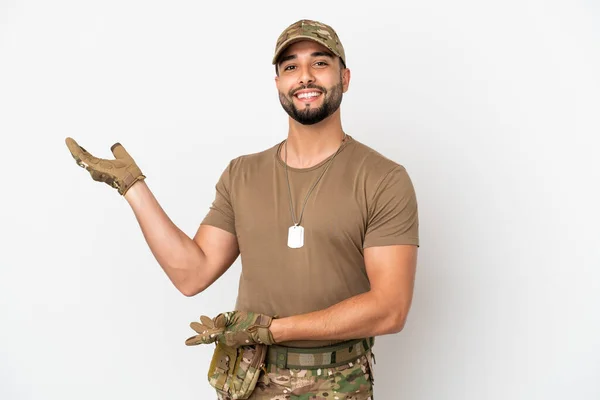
x=306 y=29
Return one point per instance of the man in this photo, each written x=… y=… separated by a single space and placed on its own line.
x=327 y=230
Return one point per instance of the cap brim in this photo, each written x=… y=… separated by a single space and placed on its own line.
x=295 y=39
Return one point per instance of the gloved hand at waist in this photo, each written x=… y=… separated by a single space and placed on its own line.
x=234 y=329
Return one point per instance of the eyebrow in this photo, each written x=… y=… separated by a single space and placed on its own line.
x=315 y=54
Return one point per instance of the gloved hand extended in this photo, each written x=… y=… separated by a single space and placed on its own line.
x=120 y=173
x=234 y=329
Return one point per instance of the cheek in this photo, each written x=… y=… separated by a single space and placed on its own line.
x=330 y=81
x=283 y=86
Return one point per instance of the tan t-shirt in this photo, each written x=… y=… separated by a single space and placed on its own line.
x=363 y=200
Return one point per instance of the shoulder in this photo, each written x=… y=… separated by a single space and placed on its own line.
x=372 y=164
x=249 y=162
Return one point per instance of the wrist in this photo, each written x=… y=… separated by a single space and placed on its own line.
x=277 y=330
x=135 y=191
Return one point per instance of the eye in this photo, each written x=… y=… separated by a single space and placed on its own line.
x=321 y=64
x=289 y=67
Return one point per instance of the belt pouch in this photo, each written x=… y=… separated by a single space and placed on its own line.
x=235 y=371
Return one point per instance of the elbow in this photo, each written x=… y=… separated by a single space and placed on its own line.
x=187 y=281
x=398 y=325
x=395 y=323
x=189 y=288
x=187 y=292
x=391 y=317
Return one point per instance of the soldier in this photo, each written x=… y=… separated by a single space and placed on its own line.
x=327 y=231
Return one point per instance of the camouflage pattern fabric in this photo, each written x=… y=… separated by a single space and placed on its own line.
x=208 y=330
x=330 y=356
x=352 y=381
x=234 y=329
x=234 y=372
x=310 y=30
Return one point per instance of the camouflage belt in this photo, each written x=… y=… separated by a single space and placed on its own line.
x=318 y=357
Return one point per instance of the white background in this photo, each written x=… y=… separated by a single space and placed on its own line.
x=492 y=106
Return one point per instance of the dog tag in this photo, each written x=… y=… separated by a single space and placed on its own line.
x=296 y=236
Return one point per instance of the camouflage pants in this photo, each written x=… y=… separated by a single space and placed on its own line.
x=352 y=381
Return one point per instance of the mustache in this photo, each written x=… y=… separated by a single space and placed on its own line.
x=310 y=86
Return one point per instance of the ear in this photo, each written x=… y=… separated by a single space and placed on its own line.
x=345 y=79
x=277 y=82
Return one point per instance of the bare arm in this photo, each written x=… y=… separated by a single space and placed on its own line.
x=382 y=310
x=191 y=264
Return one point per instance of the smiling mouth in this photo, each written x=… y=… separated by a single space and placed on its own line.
x=308 y=95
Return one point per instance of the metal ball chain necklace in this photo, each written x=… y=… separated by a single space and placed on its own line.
x=296 y=231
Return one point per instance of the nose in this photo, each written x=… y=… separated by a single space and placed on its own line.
x=306 y=76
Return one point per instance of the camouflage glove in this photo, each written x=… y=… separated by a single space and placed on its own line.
x=207 y=329
x=234 y=329
x=121 y=173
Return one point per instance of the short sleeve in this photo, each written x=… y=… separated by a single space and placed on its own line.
x=393 y=213
x=221 y=212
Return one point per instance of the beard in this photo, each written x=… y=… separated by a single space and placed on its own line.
x=309 y=114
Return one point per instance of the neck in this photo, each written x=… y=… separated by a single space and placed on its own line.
x=308 y=145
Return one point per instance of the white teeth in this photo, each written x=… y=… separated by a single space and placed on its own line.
x=308 y=95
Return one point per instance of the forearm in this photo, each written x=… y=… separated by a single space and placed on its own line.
x=364 y=315
x=178 y=255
